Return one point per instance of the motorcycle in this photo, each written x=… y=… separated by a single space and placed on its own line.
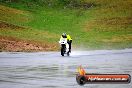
x=64 y=46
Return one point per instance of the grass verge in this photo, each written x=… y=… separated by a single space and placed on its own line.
x=93 y=24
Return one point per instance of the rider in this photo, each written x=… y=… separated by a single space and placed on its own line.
x=69 y=40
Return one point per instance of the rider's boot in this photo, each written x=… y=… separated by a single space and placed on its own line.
x=70 y=50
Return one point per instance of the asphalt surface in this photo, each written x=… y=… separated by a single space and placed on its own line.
x=51 y=70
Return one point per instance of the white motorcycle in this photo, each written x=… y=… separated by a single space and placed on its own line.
x=64 y=46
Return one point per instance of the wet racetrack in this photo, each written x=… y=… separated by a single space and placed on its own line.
x=50 y=70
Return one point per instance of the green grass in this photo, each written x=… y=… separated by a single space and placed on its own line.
x=105 y=25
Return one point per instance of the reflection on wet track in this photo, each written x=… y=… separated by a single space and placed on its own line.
x=50 y=70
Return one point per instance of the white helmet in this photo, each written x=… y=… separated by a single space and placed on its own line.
x=64 y=35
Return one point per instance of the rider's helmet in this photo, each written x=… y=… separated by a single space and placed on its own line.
x=64 y=35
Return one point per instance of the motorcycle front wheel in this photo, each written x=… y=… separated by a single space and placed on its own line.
x=62 y=50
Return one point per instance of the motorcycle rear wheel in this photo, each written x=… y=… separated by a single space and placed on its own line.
x=68 y=53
